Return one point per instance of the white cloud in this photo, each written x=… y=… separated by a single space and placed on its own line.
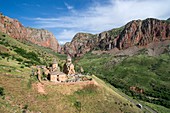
x=69 y=7
x=64 y=36
x=99 y=17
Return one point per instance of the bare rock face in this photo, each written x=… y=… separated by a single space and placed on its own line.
x=135 y=33
x=16 y=30
x=81 y=44
x=142 y=33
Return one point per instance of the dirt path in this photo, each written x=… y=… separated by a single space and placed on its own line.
x=40 y=88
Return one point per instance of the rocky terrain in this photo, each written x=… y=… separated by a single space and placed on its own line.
x=16 y=30
x=81 y=43
x=138 y=33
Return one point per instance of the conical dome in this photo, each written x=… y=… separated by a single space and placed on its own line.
x=68 y=58
x=54 y=61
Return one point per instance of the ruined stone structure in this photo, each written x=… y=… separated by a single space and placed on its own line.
x=68 y=66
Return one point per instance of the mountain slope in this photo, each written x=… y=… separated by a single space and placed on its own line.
x=20 y=91
x=16 y=30
x=26 y=53
x=141 y=76
x=135 y=33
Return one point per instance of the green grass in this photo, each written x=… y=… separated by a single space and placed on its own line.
x=90 y=89
x=148 y=73
x=26 y=53
x=158 y=108
x=117 y=31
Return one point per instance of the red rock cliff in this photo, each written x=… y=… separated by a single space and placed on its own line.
x=142 y=33
x=135 y=33
x=16 y=30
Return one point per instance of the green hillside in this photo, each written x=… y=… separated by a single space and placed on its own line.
x=146 y=73
x=26 y=53
x=21 y=92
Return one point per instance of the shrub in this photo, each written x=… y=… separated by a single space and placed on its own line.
x=2 y=93
x=19 y=59
x=25 y=106
x=22 y=67
x=77 y=104
x=29 y=55
x=4 y=55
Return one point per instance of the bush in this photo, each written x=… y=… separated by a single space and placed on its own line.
x=77 y=104
x=29 y=55
x=2 y=93
x=19 y=59
x=22 y=67
x=25 y=106
x=4 y=55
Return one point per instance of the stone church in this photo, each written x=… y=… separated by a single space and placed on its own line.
x=57 y=76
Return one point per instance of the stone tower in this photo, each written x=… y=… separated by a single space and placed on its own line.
x=68 y=66
x=55 y=66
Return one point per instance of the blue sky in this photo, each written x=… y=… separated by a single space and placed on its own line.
x=65 y=18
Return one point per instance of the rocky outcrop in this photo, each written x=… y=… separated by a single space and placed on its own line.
x=142 y=33
x=80 y=44
x=134 y=33
x=16 y=30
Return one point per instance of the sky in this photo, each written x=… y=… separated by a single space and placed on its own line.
x=65 y=18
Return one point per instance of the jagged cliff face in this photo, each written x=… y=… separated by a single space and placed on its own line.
x=81 y=43
x=143 y=32
x=135 y=33
x=16 y=30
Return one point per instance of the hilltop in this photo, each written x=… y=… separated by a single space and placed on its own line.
x=60 y=98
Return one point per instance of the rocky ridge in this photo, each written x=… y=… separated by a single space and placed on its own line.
x=16 y=30
x=135 y=33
